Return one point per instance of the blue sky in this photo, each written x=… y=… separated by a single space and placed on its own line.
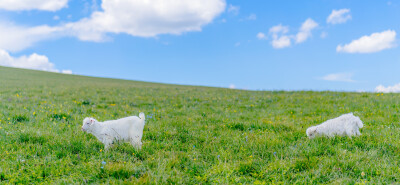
x=256 y=45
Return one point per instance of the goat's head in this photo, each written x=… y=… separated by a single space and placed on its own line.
x=311 y=132
x=87 y=123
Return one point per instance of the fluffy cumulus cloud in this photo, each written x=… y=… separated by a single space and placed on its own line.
x=339 y=77
x=15 y=38
x=46 y=5
x=33 y=61
x=370 y=43
x=281 y=42
x=305 y=30
x=147 y=18
x=279 y=29
x=339 y=16
x=279 y=39
x=134 y=17
x=389 y=89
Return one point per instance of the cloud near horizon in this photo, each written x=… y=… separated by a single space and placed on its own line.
x=339 y=77
x=33 y=61
x=389 y=89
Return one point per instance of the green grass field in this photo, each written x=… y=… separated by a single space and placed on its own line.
x=193 y=135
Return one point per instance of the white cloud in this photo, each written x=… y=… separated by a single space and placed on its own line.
x=261 y=36
x=94 y=5
x=305 y=30
x=339 y=77
x=232 y=86
x=134 y=17
x=279 y=39
x=15 y=38
x=33 y=61
x=90 y=6
x=233 y=9
x=389 y=89
x=46 y=5
x=279 y=29
x=66 y=71
x=281 y=42
x=339 y=16
x=56 y=17
x=147 y=18
x=369 y=44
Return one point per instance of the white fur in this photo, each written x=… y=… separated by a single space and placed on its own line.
x=129 y=129
x=344 y=125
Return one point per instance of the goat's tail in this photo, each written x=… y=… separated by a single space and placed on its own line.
x=142 y=116
x=360 y=124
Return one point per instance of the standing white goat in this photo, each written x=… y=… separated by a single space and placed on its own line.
x=344 y=125
x=129 y=129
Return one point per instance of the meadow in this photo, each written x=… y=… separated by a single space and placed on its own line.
x=193 y=135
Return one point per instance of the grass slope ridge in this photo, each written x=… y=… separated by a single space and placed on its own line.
x=193 y=135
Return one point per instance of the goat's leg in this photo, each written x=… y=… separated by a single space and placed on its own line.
x=136 y=143
x=107 y=143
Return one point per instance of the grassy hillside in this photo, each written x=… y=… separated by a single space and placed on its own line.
x=193 y=135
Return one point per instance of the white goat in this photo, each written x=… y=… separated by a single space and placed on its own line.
x=344 y=125
x=129 y=129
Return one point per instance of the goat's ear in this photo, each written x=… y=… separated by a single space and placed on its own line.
x=91 y=120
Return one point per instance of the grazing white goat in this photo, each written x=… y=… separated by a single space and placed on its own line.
x=129 y=129
x=344 y=125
